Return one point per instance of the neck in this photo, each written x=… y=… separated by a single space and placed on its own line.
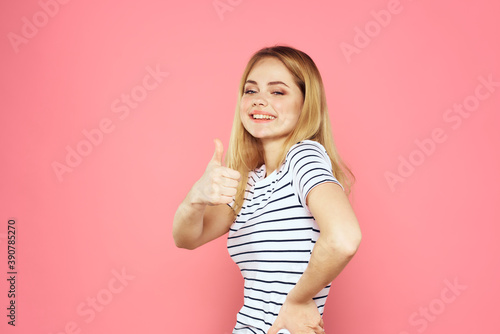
x=272 y=150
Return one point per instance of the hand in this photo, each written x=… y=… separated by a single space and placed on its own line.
x=218 y=184
x=298 y=318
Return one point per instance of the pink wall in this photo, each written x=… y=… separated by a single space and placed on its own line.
x=94 y=252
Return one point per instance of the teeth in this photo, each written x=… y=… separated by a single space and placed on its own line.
x=259 y=116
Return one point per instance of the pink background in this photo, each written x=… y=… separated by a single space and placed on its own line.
x=437 y=225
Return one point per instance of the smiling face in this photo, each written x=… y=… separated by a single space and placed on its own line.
x=272 y=102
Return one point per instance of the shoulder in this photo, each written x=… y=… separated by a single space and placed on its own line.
x=307 y=145
x=307 y=151
x=310 y=166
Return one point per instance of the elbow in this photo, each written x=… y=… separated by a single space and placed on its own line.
x=185 y=246
x=351 y=248
x=183 y=243
x=353 y=245
x=350 y=241
x=180 y=244
x=347 y=247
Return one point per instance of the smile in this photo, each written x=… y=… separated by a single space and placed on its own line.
x=260 y=116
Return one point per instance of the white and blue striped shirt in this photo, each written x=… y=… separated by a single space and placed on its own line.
x=272 y=237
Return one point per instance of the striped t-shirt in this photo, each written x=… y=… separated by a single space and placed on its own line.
x=272 y=237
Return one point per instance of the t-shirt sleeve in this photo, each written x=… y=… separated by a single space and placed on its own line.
x=311 y=167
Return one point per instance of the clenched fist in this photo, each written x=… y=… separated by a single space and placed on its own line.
x=218 y=184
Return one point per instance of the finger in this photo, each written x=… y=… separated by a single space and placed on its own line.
x=227 y=182
x=228 y=191
x=231 y=173
x=220 y=178
x=273 y=330
x=319 y=330
x=225 y=199
x=219 y=152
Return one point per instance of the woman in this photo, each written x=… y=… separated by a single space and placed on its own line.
x=281 y=197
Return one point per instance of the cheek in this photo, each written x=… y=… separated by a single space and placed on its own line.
x=243 y=112
x=242 y=109
x=292 y=110
x=244 y=103
x=298 y=109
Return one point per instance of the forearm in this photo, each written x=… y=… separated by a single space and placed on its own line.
x=326 y=263
x=188 y=221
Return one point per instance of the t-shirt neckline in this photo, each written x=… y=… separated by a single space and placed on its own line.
x=262 y=178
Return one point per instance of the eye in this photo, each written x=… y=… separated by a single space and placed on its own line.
x=277 y=93
x=249 y=91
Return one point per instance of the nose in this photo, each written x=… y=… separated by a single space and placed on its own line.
x=259 y=100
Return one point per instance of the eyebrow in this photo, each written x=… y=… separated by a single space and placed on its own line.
x=269 y=83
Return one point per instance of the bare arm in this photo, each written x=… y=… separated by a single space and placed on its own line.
x=338 y=242
x=339 y=239
x=203 y=215
x=197 y=224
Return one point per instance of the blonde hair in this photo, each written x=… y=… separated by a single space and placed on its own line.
x=245 y=153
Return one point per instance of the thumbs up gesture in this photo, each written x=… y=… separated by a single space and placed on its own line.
x=218 y=184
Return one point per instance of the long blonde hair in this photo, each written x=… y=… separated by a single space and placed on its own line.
x=245 y=153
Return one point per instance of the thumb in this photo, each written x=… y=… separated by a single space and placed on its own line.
x=219 y=152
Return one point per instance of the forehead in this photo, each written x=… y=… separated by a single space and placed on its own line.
x=270 y=69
